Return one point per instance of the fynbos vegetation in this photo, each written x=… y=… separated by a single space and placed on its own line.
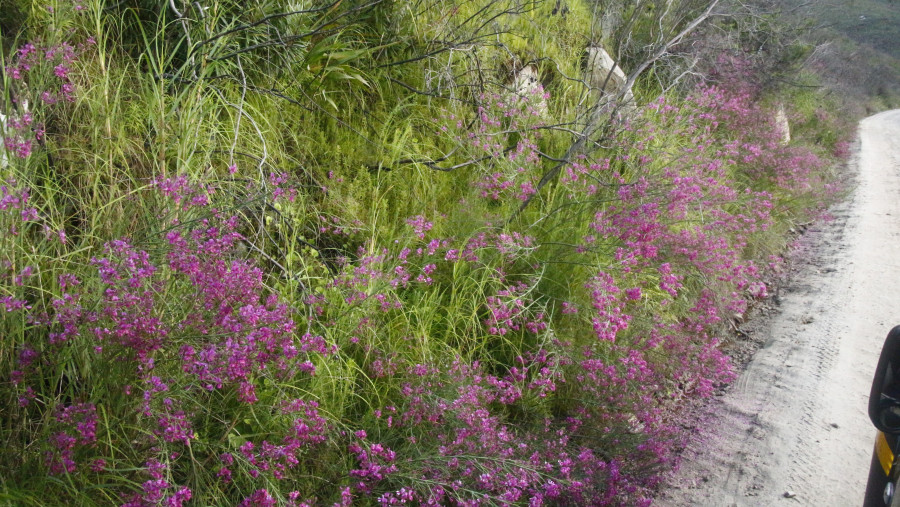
x=313 y=253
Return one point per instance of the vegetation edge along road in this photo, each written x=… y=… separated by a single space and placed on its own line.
x=429 y=252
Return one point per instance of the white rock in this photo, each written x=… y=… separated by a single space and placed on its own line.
x=3 y=160
x=604 y=73
x=605 y=76
x=527 y=83
x=782 y=124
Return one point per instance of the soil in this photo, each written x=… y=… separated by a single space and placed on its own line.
x=793 y=428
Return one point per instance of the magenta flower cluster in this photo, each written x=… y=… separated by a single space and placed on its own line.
x=220 y=337
x=517 y=383
x=506 y=131
x=42 y=78
x=80 y=423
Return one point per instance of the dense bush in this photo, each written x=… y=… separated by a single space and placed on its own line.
x=225 y=282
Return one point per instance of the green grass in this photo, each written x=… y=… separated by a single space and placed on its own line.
x=359 y=106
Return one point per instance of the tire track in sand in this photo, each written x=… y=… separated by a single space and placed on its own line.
x=793 y=428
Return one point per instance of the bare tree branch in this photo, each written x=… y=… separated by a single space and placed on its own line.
x=636 y=73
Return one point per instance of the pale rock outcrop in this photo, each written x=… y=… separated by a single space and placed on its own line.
x=6 y=131
x=782 y=124
x=3 y=160
x=527 y=83
x=605 y=77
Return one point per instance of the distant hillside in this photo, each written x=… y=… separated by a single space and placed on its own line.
x=875 y=23
x=857 y=52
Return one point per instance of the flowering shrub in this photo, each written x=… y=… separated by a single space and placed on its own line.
x=261 y=338
x=223 y=337
x=504 y=131
x=40 y=76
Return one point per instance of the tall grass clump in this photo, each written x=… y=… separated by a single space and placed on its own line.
x=292 y=254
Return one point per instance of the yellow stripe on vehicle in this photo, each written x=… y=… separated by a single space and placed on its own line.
x=885 y=456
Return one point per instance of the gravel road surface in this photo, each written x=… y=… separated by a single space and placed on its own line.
x=793 y=429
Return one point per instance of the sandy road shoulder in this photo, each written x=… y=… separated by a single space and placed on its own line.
x=793 y=428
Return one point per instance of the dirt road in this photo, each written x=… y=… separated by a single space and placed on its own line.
x=793 y=428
